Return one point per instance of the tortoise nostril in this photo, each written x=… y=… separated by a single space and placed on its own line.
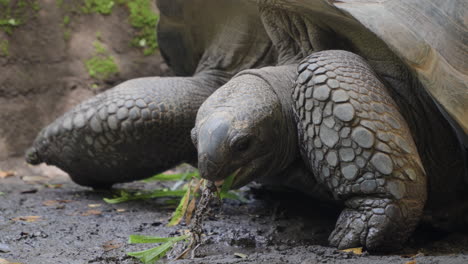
x=208 y=169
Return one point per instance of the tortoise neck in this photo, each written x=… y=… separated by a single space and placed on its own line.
x=280 y=80
x=210 y=80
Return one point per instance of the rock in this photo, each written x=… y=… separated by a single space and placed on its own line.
x=4 y=248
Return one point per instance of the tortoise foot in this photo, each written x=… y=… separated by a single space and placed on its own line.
x=373 y=223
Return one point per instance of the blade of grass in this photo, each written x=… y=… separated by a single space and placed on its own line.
x=190 y=209
x=226 y=186
x=181 y=209
x=226 y=193
x=153 y=254
x=234 y=196
x=140 y=239
x=172 y=177
x=126 y=196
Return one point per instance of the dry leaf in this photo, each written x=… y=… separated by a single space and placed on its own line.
x=29 y=219
x=411 y=262
x=192 y=205
x=120 y=210
x=55 y=202
x=190 y=210
x=357 y=251
x=240 y=255
x=169 y=172
x=94 y=205
x=91 y=212
x=112 y=244
x=5 y=174
x=34 y=179
x=4 y=261
x=412 y=255
x=53 y=186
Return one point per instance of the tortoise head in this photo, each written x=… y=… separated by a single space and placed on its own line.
x=241 y=129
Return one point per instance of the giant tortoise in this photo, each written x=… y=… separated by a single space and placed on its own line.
x=363 y=102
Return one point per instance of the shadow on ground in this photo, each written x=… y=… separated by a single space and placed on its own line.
x=76 y=226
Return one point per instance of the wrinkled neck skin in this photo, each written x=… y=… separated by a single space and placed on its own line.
x=246 y=126
x=280 y=80
x=209 y=80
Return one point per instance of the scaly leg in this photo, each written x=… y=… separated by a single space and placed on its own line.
x=132 y=131
x=359 y=146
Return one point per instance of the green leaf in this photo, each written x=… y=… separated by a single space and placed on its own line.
x=181 y=209
x=226 y=185
x=127 y=196
x=153 y=254
x=172 y=177
x=13 y=22
x=226 y=193
x=140 y=239
x=234 y=196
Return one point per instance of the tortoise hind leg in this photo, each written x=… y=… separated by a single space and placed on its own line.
x=130 y=132
x=359 y=146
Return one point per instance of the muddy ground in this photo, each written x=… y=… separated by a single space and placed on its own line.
x=272 y=227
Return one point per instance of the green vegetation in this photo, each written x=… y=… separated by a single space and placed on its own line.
x=125 y=196
x=154 y=254
x=144 y=19
x=101 y=65
x=141 y=17
x=189 y=192
x=66 y=20
x=66 y=30
x=67 y=34
x=98 y=6
x=173 y=177
x=16 y=13
x=4 y=48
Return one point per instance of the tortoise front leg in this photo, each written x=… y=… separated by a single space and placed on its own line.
x=360 y=147
x=132 y=131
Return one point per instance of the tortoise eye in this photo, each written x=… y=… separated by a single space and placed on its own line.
x=242 y=144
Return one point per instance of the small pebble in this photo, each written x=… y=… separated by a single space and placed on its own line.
x=4 y=248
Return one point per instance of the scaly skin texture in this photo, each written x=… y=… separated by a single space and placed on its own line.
x=358 y=145
x=129 y=132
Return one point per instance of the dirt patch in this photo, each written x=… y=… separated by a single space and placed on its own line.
x=76 y=226
x=43 y=71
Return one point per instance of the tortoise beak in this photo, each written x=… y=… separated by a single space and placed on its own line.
x=208 y=169
x=212 y=157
